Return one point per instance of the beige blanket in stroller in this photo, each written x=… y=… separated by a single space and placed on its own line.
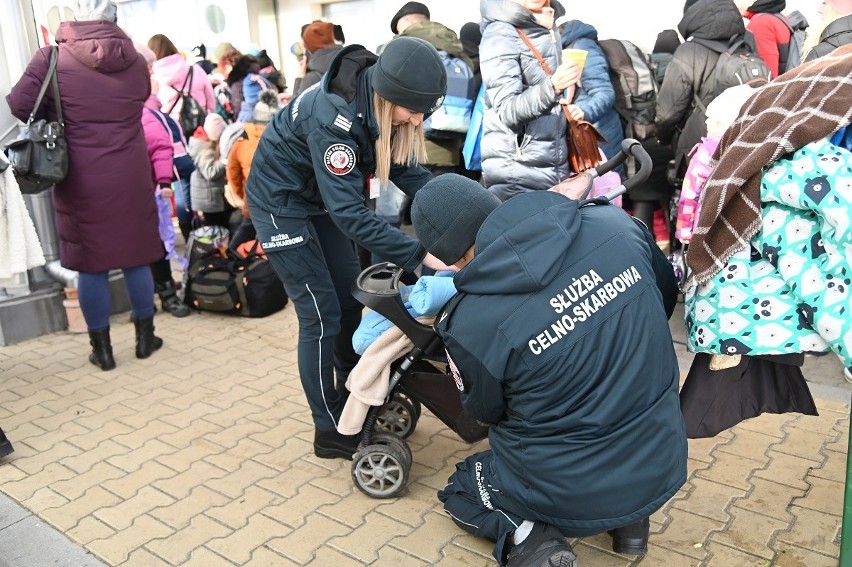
x=368 y=382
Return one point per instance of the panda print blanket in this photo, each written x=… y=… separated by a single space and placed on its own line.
x=788 y=291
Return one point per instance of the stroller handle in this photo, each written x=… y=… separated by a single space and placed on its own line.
x=629 y=148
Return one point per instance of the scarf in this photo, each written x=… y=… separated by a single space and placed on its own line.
x=801 y=106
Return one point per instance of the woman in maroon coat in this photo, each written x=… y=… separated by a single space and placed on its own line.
x=106 y=217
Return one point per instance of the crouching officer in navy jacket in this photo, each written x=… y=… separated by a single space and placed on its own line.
x=349 y=134
x=559 y=338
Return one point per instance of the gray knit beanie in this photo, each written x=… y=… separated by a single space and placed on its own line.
x=410 y=74
x=447 y=213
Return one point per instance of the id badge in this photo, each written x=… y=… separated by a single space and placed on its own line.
x=375 y=188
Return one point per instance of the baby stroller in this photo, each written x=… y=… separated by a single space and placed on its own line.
x=380 y=467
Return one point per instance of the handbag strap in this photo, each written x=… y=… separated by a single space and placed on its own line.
x=547 y=70
x=49 y=79
x=535 y=52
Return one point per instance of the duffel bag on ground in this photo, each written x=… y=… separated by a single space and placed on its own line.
x=233 y=284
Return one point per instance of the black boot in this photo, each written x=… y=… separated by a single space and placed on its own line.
x=101 y=349
x=146 y=342
x=170 y=300
x=632 y=539
x=5 y=445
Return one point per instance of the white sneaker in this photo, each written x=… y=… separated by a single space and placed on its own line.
x=847 y=375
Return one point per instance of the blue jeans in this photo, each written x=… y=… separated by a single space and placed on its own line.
x=183 y=205
x=94 y=295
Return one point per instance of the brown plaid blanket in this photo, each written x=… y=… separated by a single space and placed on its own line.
x=801 y=106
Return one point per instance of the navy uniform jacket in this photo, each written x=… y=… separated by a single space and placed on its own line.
x=316 y=156
x=559 y=337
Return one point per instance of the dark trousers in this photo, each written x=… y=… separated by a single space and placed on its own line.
x=480 y=509
x=318 y=276
x=475 y=507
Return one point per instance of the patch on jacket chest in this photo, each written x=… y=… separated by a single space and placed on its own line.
x=339 y=159
x=454 y=370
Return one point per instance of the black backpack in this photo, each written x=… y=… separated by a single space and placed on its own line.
x=635 y=87
x=737 y=65
x=226 y=282
x=192 y=114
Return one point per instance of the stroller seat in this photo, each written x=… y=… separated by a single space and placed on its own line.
x=380 y=466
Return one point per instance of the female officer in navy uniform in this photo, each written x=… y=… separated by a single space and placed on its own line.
x=344 y=137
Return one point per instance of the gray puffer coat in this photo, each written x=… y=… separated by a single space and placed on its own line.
x=524 y=144
x=678 y=122
x=207 y=182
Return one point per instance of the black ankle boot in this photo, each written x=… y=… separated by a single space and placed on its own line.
x=146 y=342
x=170 y=300
x=101 y=349
x=632 y=539
x=5 y=445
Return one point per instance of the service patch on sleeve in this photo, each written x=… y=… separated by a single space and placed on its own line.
x=454 y=370
x=339 y=159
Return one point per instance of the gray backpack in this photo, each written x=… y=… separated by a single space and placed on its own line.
x=792 y=57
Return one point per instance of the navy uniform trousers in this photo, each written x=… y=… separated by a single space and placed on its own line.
x=475 y=506
x=480 y=509
x=318 y=277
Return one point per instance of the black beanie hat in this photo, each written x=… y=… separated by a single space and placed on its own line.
x=408 y=9
x=470 y=36
x=409 y=73
x=768 y=6
x=447 y=213
x=667 y=42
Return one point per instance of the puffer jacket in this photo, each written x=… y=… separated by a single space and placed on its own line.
x=105 y=213
x=171 y=72
x=207 y=183
x=595 y=95
x=576 y=372
x=239 y=161
x=158 y=138
x=837 y=33
x=771 y=35
x=524 y=144
x=678 y=121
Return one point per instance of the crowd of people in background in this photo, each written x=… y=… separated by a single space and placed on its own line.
x=323 y=186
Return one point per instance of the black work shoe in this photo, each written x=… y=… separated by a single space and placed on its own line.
x=545 y=546
x=334 y=445
x=632 y=539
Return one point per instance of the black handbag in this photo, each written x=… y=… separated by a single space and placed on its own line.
x=39 y=156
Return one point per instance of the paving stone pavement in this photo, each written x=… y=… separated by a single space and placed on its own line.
x=202 y=456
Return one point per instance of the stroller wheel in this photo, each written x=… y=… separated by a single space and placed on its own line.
x=399 y=416
x=380 y=471
x=396 y=442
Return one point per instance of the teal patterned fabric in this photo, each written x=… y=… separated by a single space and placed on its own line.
x=789 y=291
